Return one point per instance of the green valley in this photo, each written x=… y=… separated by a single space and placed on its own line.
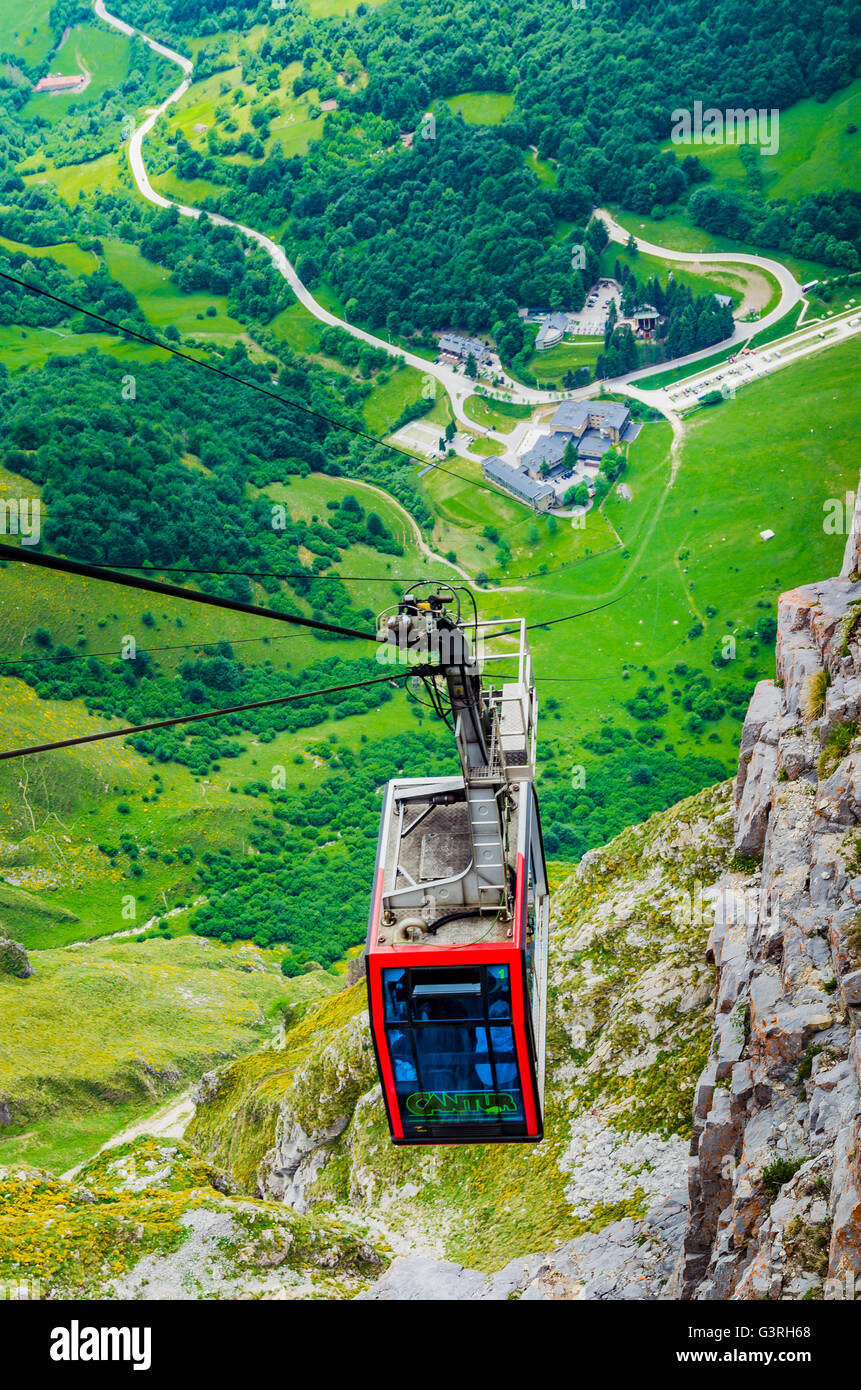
x=303 y=304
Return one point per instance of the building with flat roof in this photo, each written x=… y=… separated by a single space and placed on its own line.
x=551 y=331
x=549 y=449
x=592 y=446
x=576 y=417
x=538 y=495
x=455 y=345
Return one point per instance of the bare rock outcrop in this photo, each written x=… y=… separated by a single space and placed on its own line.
x=775 y=1175
x=14 y=959
x=627 y=1260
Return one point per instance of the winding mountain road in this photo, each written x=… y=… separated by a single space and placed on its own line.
x=455 y=383
x=790 y=290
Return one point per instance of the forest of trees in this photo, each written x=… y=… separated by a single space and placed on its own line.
x=116 y=489
x=458 y=229
x=691 y=322
x=307 y=884
x=98 y=292
x=202 y=255
x=825 y=226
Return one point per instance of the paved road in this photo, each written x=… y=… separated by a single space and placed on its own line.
x=790 y=290
x=454 y=382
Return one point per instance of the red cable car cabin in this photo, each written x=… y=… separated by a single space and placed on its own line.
x=457 y=994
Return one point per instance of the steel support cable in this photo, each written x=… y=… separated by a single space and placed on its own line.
x=188 y=718
x=153 y=586
x=232 y=376
x=551 y=622
x=170 y=647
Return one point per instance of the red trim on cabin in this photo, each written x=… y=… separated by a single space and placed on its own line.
x=387 y=1076
x=416 y=954
x=518 y=1013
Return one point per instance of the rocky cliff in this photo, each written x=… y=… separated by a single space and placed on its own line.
x=775 y=1178
x=703 y=1117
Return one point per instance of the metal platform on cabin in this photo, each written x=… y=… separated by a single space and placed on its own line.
x=440 y=848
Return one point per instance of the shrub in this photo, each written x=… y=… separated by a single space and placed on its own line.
x=839 y=742
x=813 y=695
x=775 y=1174
x=805 y=1067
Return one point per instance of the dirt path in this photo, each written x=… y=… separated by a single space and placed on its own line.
x=168 y=1123
x=422 y=544
x=130 y=931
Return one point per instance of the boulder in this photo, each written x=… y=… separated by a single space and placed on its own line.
x=14 y=959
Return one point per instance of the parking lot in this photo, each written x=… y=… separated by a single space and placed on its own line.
x=726 y=378
x=592 y=317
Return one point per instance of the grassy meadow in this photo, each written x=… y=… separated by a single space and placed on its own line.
x=816 y=151
x=93 y=48
x=99 y=1034
x=482 y=108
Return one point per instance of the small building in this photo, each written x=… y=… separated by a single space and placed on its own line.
x=766 y=535
x=549 y=449
x=58 y=83
x=725 y=300
x=455 y=345
x=646 y=320
x=592 y=446
x=609 y=418
x=538 y=495
x=552 y=331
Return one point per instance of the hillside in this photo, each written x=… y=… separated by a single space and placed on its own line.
x=705 y=989
x=302 y=1121
x=232 y=324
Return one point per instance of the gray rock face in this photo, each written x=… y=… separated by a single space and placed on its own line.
x=775 y=1176
x=628 y=1259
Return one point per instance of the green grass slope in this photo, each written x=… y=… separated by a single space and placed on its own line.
x=123 y=1023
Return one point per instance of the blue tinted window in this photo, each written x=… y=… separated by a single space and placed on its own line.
x=498 y=992
x=395 y=994
x=452 y=1045
x=448 y=1000
x=403 y=1063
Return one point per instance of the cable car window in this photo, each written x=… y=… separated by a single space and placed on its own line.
x=395 y=994
x=498 y=992
x=455 y=1061
x=439 y=995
